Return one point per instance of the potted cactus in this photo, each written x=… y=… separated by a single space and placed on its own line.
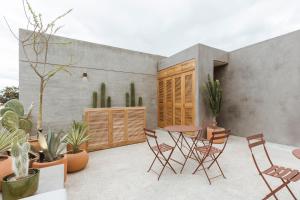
x=24 y=181
x=78 y=157
x=53 y=146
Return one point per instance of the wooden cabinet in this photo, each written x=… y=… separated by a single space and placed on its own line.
x=176 y=95
x=112 y=127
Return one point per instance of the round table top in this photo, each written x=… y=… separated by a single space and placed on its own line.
x=182 y=128
x=296 y=153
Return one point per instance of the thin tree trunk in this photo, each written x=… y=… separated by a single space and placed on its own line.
x=40 y=113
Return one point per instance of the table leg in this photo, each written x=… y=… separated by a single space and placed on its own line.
x=176 y=142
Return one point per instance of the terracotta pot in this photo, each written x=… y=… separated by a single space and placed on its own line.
x=209 y=132
x=5 y=168
x=77 y=161
x=35 y=145
x=33 y=157
x=63 y=161
x=20 y=188
x=83 y=146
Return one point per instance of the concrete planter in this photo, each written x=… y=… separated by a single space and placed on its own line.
x=61 y=161
x=20 y=188
x=77 y=161
x=5 y=168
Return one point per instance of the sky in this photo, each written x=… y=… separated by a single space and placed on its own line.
x=161 y=27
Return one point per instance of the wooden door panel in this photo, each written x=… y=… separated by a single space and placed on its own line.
x=169 y=102
x=161 y=97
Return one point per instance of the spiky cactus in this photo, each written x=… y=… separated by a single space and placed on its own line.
x=132 y=95
x=25 y=125
x=140 y=103
x=6 y=139
x=108 y=102
x=10 y=120
x=102 y=95
x=20 y=159
x=214 y=96
x=16 y=106
x=94 y=102
x=127 y=99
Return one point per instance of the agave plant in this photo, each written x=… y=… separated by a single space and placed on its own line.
x=52 y=145
x=77 y=135
x=214 y=95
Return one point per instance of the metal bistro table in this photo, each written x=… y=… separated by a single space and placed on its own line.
x=182 y=131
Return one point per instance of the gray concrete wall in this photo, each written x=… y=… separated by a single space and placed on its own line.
x=204 y=57
x=66 y=96
x=261 y=90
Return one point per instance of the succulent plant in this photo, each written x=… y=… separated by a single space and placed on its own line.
x=94 y=102
x=25 y=125
x=20 y=158
x=140 y=103
x=6 y=139
x=77 y=135
x=108 y=102
x=16 y=106
x=132 y=95
x=10 y=120
x=3 y=110
x=53 y=145
x=127 y=99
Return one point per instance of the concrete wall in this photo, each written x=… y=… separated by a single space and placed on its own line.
x=204 y=57
x=261 y=90
x=66 y=96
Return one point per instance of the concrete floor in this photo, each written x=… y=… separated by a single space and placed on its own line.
x=120 y=173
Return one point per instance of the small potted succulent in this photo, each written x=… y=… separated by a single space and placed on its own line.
x=77 y=157
x=24 y=181
x=6 y=139
x=53 y=146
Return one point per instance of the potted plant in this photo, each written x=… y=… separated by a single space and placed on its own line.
x=52 y=147
x=77 y=158
x=24 y=181
x=214 y=97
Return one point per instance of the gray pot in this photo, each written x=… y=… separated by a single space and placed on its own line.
x=21 y=188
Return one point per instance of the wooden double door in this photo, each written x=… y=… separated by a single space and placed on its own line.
x=176 y=95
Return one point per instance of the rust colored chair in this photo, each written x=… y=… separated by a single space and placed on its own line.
x=286 y=175
x=159 y=151
x=208 y=153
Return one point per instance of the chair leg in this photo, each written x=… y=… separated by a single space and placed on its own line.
x=269 y=186
x=152 y=162
x=272 y=193
x=289 y=190
x=220 y=169
x=166 y=162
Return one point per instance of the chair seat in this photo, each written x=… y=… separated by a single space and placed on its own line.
x=163 y=147
x=283 y=173
x=205 y=149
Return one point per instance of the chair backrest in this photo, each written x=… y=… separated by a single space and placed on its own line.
x=255 y=141
x=151 y=135
x=219 y=135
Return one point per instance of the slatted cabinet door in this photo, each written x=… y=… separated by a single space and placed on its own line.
x=188 y=105
x=178 y=100
x=168 y=120
x=161 y=99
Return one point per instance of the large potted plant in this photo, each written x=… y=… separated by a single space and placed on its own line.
x=77 y=158
x=53 y=146
x=213 y=92
x=24 y=181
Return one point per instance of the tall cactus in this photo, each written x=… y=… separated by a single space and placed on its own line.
x=102 y=95
x=19 y=152
x=108 y=103
x=140 y=103
x=132 y=95
x=94 y=102
x=127 y=99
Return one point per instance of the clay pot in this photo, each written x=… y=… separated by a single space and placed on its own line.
x=60 y=161
x=209 y=132
x=83 y=146
x=33 y=157
x=5 y=168
x=20 y=188
x=77 y=161
x=35 y=145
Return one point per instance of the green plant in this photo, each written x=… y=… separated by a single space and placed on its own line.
x=102 y=95
x=127 y=99
x=77 y=135
x=9 y=93
x=13 y=117
x=6 y=139
x=140 y=103
x=132 y=94
x=53 y=145
x=20 y=158
x=214 y=95
x=94 y=103
x=108 y=103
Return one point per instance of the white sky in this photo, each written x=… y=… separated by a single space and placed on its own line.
x=154 y=26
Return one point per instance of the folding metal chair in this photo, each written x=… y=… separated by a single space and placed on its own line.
x=286 y=175
x=208 y=153
x=159 y=150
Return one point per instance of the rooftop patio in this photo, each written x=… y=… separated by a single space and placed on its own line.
x=120 y=173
